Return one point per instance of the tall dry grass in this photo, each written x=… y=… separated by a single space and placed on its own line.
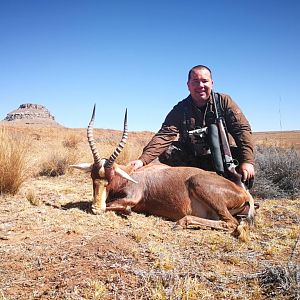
x=57 y=162
x=131 y=151
x=71 y=141
x=14 y=161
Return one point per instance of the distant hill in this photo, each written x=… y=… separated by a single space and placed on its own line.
x=30 y=113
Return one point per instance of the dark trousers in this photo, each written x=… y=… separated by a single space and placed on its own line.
x=179 y=154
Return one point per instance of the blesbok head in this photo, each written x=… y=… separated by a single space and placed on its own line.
x=103 y=170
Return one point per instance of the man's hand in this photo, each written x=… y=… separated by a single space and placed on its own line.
x=136 y=164
x=247 y=171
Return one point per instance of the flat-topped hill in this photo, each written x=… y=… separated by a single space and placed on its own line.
x=30 y=113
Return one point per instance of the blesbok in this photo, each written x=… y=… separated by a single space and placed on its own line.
x=190 y=196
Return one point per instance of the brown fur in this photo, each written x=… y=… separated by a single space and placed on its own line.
x=190 y=196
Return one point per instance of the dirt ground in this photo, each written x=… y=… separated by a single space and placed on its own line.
x=52 y=247
x=57 y=249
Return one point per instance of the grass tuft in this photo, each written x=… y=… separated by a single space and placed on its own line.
x=168 y=285
x=14 y=162
x=32 y=198
x=58 y=163
x=71 y=141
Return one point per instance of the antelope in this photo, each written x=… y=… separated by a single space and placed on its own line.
x=190 y=196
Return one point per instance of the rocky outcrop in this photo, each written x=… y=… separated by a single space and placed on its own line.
x=30 y=113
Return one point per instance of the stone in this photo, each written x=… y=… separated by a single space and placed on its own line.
x=30 y=113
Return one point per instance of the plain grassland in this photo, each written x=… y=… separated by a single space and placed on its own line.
x=52 y=247
x=285 y=139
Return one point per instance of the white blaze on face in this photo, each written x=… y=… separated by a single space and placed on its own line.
x=100 y=194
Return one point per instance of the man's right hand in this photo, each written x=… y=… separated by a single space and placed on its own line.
x=136 y=164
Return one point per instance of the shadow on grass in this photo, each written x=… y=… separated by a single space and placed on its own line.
x=81 y=205
x=85 y=206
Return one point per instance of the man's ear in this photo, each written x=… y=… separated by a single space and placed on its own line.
x=188 y=85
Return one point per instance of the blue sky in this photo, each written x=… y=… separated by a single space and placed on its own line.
x=68 y=55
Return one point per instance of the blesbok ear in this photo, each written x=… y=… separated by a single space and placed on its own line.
x=86 y=167
x=123 y=174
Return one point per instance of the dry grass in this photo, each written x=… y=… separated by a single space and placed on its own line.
x=277 y=172
x=51 y=247
x=57 y=163
x=32 y=198
x=71 y=141
x=58 y=250
x=14 y=161
x=282 y=139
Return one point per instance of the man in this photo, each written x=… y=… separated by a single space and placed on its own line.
x=197 y=111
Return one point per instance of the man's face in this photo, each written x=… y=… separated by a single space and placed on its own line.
x=200 y=85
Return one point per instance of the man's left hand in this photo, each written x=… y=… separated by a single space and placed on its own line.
x=247 y=171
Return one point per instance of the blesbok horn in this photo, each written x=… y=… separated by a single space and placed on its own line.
x=91 y=141
x=118 y=150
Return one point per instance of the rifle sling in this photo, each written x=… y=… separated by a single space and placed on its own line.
x=220 y=112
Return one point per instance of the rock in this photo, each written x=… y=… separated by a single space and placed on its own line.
x=30 y=113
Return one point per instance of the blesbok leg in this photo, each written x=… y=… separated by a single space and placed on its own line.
x=123 y=205
x=193 y=222
x=203 y=191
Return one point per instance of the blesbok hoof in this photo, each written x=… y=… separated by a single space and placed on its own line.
x=125 y=212
x=128 y=210
x=97 y=210
x=177 y=227
x=242 y=232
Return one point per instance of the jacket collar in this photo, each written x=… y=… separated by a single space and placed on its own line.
x=191 y=101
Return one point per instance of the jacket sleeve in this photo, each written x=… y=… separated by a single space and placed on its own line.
x=159 y=143
x=240 y=129
x=163 y=138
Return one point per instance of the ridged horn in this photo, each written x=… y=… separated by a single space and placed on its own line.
x=121 y=145
x=90 y=137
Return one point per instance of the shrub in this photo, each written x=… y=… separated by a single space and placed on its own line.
x=71 y=141
x=58 y=163
x=281 y=280
x=277 y=172
x=14 y=162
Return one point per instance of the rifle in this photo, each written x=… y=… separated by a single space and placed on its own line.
x=229 y=164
